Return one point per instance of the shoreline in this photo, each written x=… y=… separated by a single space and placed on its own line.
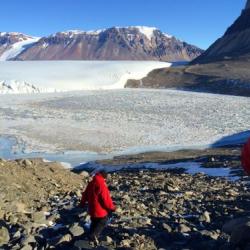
x=12 y=150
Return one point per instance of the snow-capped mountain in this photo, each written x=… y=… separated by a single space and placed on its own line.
x=116 y=43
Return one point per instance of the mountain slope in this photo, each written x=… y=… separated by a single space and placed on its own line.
x=13 y=43
x=223 y=68
x=234 y=44
x=130 y=43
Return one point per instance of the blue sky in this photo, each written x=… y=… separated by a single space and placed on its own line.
x=199 y=22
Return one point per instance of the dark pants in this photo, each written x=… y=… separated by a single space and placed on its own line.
x=97 y=226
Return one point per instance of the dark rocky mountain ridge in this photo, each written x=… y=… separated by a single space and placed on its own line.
x=235 y=42
x=129 y=43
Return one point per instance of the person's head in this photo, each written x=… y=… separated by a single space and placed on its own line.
x=104 y=173
x=100 y=170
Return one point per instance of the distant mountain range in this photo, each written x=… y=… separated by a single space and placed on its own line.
x=116 y=43
x=222 y=68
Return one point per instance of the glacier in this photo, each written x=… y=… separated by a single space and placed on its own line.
x=49 y=76
x=18 y=48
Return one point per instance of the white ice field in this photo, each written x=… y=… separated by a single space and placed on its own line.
x=55 y=76
x=110 y=122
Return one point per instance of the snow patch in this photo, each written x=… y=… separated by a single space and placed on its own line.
x=189 y=167
x=72 y=33
x=95 y=32
x=167 y=35
x=66 y=165
x=147 y=31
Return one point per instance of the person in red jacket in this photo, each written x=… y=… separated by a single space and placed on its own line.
x=100 y=204
x=245 y=157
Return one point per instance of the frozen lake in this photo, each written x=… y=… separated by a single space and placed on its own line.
x=98 y=124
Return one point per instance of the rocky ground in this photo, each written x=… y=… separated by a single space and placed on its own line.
x=155 y=209
x=229 y=77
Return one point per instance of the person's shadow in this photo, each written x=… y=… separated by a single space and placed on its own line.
x=68 y=218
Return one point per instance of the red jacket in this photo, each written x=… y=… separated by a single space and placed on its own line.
x=98 y=197
x=245 y=157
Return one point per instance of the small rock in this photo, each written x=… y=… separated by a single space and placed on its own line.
x=166 y=227
x=189 y=193
x=171 y=188
x=27 y=162
x=76 y=230
x=24 y=162
x=78 y=193
x=26 y=247
x=126 y=197
x=39 y=218
x=4 y=236
x=28 y=240
x=109 y=240
x=125 y=243
x=184 y=229
x=17 y=207
x=214 y=235
x=65 y=238
x=169 y=206
x=205 y=217
x=84 y=174
x=2 y=213
x=118 y=210
x=82 y=244
x=17 y=235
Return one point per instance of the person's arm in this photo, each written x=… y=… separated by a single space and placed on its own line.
x=84 y=197
x=105 y=199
